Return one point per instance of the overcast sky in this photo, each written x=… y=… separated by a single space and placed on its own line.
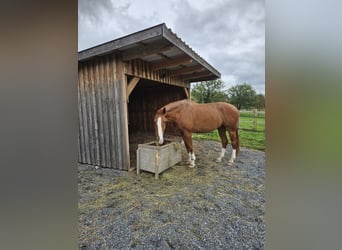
x=228 y=34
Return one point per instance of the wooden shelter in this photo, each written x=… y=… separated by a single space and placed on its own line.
x=121 y=84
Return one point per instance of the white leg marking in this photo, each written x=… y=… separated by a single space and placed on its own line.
x=160 y=132
x=192 y=159
x=223 y=151
x=232 y=158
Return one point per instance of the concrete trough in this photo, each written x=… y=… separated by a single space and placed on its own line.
x=156 y=159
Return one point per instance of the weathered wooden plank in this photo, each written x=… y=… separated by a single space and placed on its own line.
x=171 y=62
x=121 y=78
x=203 y=78
x=79 y=158
x=84 y=115
x=120 y=43
x=119 y=121
x=187 y=93
x=117 y=128
x=81 y=143
x=132 y=85
x=196 y=75
x=100 y=112
x=95 y=113
x=143 y=68
x=146 y=50
x=114 y=112
x=140 y=68
x=89 y=99
x=181 y=71
x=132 y=69
x=86 y=112
x=105 y=111
x=111 y=110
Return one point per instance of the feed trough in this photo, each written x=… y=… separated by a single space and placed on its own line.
x=156 y=159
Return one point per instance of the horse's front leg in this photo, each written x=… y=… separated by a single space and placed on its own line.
x=187 y=138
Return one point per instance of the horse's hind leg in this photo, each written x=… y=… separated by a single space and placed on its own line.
x=233 y=134
x=187 y=138
x=224 y=141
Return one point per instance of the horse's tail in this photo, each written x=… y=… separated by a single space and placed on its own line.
x=237 y=136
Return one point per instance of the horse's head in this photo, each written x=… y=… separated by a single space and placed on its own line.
x=159 y=124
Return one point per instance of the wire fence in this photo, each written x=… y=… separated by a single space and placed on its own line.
x=254 y=122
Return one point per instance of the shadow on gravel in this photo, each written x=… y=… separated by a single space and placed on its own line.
x=211 y=206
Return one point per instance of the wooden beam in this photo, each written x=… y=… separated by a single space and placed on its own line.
x=110 y=46
x=185 y=70
x=131 y=85
x=146 y=50
x=197 y=75
x=171 y=62
x=204 y=78
x=187 y=93
x=172 y=37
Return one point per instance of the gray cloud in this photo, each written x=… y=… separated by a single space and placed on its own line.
x=89 y=9
x=230 y=35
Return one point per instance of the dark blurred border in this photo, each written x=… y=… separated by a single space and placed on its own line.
x=303 y=124
x=38 y=103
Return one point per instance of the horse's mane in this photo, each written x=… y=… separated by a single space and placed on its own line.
x=175 y=105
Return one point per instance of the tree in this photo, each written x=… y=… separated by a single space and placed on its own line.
x=208 y=91
x=260 y=102
x=242 y=96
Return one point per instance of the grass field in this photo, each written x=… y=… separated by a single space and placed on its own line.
x=248 y=139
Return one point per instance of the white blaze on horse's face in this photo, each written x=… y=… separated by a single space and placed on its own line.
x=160 y=130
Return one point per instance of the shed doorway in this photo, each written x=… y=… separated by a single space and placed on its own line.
x=144 y=100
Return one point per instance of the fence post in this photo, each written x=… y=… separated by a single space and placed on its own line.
x=255 y=119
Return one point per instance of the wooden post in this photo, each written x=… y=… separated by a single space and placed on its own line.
x=255 y=119
x=131 y=85
x=186 y=91
x=123 y=109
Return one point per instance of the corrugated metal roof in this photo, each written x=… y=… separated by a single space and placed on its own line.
x=162 y=49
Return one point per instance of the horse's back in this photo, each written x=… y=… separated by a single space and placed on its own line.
x=223 y=107
x=209 y=116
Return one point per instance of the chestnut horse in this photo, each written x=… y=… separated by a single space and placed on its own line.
x=190 y=117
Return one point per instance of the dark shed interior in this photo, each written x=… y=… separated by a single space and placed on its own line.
x=145 y=99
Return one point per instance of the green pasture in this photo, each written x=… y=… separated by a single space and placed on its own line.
x=248 y=138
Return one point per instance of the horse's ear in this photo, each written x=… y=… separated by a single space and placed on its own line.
x=164 y=111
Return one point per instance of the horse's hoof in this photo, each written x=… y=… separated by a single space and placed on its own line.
x=230 y=163
x=192 y=164
x=218 y=160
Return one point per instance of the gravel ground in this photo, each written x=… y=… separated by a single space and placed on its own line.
x=211 y=206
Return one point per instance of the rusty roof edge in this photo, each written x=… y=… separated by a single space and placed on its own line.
x=120 y=42
x=178 y=42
